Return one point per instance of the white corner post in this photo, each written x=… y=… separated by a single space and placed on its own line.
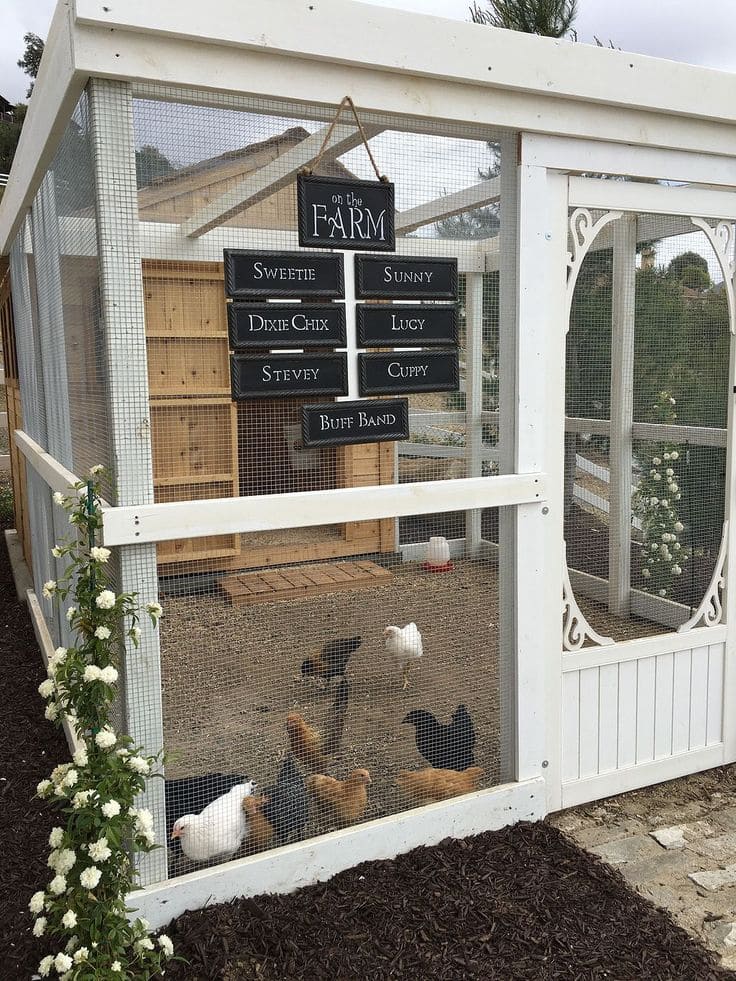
x=507 y=337
x=622 y=413
x=121 y=295
x=729 y=599
x=540 y=407
x=473 y=399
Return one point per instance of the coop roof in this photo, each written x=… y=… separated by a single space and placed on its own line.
x=178 y=195
x=419 y=67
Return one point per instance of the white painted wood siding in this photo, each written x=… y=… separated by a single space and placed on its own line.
x=660 y=700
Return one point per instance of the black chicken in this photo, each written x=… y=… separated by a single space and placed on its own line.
x=447 y=747
x=286 y=806
x=332 y=659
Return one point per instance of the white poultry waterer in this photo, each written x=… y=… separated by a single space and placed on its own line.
x=438 y=555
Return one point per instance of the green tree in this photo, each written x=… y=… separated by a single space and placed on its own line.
x=9 y=136
x=683 y=261
x=150 y=164
x=550 y=18
x=31 y=59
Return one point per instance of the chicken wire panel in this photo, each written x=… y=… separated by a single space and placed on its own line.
x=223 y=175
x=646 y=391
x=344 y=689
x=70 y=338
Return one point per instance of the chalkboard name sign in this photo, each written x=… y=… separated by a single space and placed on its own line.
x=403 y=278
x=343 y=213
x=393 y=325
x=259 y=325
x=424 y=371
x=278 y=376
x=261 y=275
x=368 y=421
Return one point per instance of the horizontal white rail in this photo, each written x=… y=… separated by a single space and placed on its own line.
x=589 y=192
x=652 y=431
x=442 y=451
x=634 y=650
x=232 y=515
x=53 y=473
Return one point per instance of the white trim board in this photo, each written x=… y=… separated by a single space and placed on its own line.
x=317 y=859
x=634 y=650
x=46 y=646
x=641 y=775
x=590 y=192
x=231 y=515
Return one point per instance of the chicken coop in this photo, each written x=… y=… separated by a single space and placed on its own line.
x=435 y=493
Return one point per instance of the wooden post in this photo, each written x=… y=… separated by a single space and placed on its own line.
x=622 y=414
x=540 y=422
x=121 y=297
x=473 y=399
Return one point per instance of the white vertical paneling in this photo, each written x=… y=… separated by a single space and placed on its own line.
x=698 y=698
x=715 y=693
x=681 y=701
x=663 y=705
x=608 y=695
x=571 y=725
x=627 y=705
x=589 y=714
x=645 y=701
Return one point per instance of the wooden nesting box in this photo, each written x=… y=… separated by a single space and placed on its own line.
x=204 y=445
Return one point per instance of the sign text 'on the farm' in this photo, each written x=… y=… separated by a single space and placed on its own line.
x=260 y=275
x=367 y=421
x=345 y=213
x=259 y=325
x=285 y=375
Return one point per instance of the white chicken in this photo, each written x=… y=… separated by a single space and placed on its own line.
x=405 y=643
x=220 y=828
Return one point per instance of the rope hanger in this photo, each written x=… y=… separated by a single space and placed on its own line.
x=347 y=101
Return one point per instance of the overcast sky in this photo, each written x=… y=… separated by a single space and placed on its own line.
x=699 y=33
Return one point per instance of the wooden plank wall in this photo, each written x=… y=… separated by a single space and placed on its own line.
x=198 y=451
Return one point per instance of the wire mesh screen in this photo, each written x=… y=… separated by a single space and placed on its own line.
x=343 y=689
x=223 y=175
x=645 y=446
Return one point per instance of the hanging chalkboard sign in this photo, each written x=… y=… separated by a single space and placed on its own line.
x=278 y=376
x=367 y=421
x=423 y=371
x=253 y=274
x=394 y=325
x=405 y=278
x=343 y=213
x=271 y=325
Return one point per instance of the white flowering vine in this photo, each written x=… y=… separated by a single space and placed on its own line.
x=82 y=910
x=661 y=553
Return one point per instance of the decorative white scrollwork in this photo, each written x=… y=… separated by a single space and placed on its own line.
x=575 y=627
x=583 y=230
x=721 y=237
x=710 y=611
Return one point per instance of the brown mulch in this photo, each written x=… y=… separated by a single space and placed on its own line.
x=30 y=747
x=521 y=903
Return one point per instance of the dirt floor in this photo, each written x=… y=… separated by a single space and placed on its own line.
x=231 y=675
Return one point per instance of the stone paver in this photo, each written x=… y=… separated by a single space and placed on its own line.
x=625 y=850
x=716 y=878
x=669 y=837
